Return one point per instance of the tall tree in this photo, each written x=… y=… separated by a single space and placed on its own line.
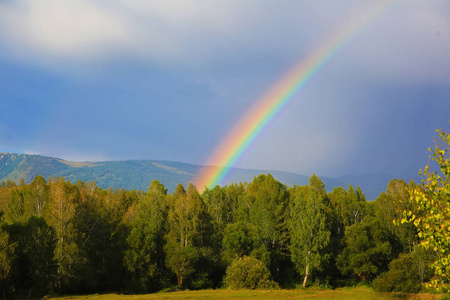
x=16 y=207
x=433 y=205
x=184 y=235
x=389 y=207
x=265 y=206
x=33 y=268
x=367 y=251
x=6 y=256
x=100 y=239
x=310 y=233
x=144 y=257
x=36 y=197
x=60 y=212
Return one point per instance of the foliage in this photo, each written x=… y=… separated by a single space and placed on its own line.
x=102 y=240
x=265 y=205
x=36 y=197
x=433 y=211
x=33 y=267
x=309 y=230
x=367 y=252
x=16 y=206
x=144 y=257
x=389 y=207
x=181 y=260
x=5 y=195
x=239 y=240
x=7 y=250
x=406 y=273
x=60 y=213
x=349 y=206
x=249 y=273
x=221 y=207
x=187 y=231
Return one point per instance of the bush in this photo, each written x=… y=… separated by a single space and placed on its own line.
x=406 y=273
x=249 y=273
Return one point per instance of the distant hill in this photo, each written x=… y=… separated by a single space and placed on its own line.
x=137 y=174
x=128 y=174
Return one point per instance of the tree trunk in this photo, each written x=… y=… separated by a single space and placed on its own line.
x=306 y=276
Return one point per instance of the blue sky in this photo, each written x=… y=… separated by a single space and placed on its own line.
x=166 y=80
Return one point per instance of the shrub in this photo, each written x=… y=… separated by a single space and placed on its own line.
x=249 y=273
x=406 y=273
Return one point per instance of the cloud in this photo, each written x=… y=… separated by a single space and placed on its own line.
x=205 y=62
x=167 y=32
x=301 y=149
x=62 y=28
x=82 y=30
x=408 y=43
x=201 y=32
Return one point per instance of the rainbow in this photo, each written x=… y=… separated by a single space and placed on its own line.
x=272 y=103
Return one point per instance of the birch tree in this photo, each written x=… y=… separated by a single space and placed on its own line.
x=60 y=214
x=184 y=218
x=308 y=226
x=432 y=217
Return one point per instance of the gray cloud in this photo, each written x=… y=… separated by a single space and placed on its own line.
x=231 y=51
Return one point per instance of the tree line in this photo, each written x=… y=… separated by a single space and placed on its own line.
x=64 y=238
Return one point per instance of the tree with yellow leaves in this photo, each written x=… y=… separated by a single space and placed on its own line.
x=432 y=218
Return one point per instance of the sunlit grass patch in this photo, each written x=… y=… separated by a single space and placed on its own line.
x=358 y=293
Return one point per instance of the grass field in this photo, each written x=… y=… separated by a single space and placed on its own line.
x=359 y=293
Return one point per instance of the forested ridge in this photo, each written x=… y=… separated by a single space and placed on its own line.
x=138 y=174
x=59 y=237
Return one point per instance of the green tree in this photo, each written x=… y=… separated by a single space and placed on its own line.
x=407 y=273
x=185 y=236
x=389 y=207
x=350 y=206
x=60 y=212
x=33 y=268
x=6 y=256
x=265 y=206
x=268 y=210
x=432 y=218
x=367 y=251
x=221 y=207
x=181 y=259
x=101 y=240
x=310 y=233
x=127 y=199
x=144 y=257
x=239 y=240
x=16 y=207
x=36 y=197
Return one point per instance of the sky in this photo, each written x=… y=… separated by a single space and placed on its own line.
x=167 y=80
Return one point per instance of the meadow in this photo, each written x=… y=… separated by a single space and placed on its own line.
x=359 y=293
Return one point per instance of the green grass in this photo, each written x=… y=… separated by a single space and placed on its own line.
x=358 y=293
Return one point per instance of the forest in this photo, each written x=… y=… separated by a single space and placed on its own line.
x=59 y=237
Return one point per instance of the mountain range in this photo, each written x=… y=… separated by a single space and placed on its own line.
x=137 y=174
